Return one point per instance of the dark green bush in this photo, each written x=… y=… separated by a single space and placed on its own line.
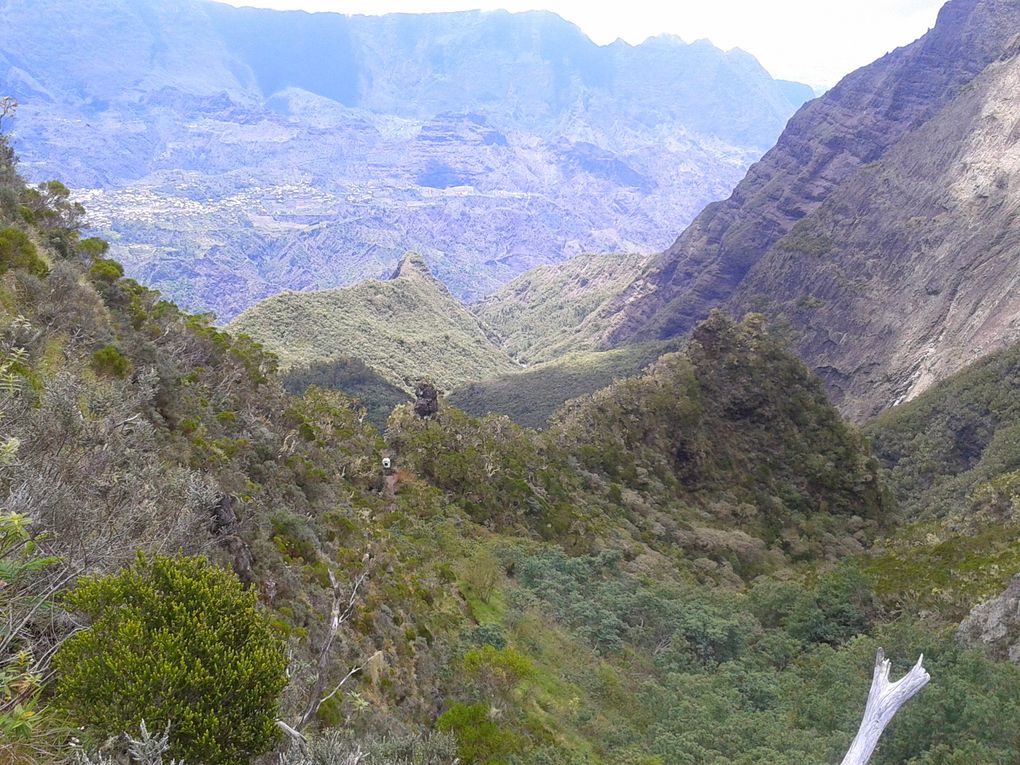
x=105 y=270
x=110 y=362
x=18 y=251
x=479 y=738
x=174 y=639
x=93 y=247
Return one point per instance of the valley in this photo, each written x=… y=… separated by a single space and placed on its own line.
x=386 y=429
x=226 y=163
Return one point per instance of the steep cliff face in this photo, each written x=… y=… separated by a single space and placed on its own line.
x=910 y=270
x=881 y=202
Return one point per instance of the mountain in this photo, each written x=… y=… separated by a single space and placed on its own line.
x=530 y=396
x=232 y=153
x=953 y=467
x=881 y=228
x=405 y=328
x=547 y=311
x=952 y=449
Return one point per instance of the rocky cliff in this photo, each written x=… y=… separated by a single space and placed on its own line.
x=881 y=228
x=994 y=626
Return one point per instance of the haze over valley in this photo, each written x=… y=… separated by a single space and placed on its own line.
x=229 y=153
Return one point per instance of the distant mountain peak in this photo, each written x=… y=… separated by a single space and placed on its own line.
x=465 y=136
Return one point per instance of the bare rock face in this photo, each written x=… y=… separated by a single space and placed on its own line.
x=426 y=399
x=881 y=230
x=994 y=626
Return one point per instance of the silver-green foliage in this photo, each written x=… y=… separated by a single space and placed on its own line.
x=339 y=747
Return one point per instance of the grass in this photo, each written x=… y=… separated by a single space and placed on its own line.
x=530 y=397
x=406 y=328
x=552 y=311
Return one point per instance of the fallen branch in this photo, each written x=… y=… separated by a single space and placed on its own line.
x=884 y=701
x=294 y=735
x=339 y=613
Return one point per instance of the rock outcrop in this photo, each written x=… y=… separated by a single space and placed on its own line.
x=994 y=626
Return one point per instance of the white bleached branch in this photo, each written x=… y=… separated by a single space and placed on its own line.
x=884 y=701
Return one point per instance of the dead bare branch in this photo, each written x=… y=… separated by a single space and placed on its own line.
x=884 y=700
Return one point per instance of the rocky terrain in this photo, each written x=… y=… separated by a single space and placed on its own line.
x=881 y=229
x=995 y=625
x=229 y=154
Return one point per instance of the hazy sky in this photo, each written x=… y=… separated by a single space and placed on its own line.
x=814 y=41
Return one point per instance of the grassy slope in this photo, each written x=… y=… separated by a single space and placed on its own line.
x=550 y=311
x=404 y=328
x=660 y=638
x=953 y=461
x=530 y=397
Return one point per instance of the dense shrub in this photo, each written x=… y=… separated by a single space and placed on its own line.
x=178 y=640
x=480 y=739
x=105 y=270
x=109 y=361
x=18 y=251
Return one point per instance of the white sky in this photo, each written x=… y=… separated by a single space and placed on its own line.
x=813 y=41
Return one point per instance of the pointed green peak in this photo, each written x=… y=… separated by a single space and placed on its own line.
x=411 y=265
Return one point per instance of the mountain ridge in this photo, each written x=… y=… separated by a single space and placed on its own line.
x=721 y=259
x=404 y=328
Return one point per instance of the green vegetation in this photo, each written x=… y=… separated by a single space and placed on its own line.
x=106 y=270
x=552 y=311
x=18 y=251
x=953 y=461
x=530 y=397
x=670 y=672
x=406 y=328
x=174 y=640
x=947 y=448
x=692 y=565
x=373 y=340
x=729 y=452
x=480 y=739
x=352 y=376
x=110 y=361
x=740 y=432
x=27 y=590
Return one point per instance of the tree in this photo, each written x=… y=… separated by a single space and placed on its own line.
x=884 y=701
x=179 y=641
x=8 y=108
